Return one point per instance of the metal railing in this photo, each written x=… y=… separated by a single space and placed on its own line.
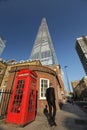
x=4 y=101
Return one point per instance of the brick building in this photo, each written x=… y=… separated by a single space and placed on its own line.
x=45 y=75
x=80 y=89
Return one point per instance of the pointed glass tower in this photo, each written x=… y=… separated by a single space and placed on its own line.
x=43 y=49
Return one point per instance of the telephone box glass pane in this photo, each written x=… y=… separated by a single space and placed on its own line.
x=18 y=96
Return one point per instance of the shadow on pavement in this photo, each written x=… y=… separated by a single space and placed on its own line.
x=68 y=107
x=74 y=124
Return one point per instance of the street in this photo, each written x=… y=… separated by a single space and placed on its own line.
x=70 y=117
x=82 y=105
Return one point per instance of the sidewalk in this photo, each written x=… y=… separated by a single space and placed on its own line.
x=71 y=117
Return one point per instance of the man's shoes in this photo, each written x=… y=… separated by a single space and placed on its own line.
x=52 y=122
x=55 y=124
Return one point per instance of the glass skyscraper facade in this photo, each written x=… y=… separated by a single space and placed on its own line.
x=81 y=48
x=43 y=49
x=2 y=45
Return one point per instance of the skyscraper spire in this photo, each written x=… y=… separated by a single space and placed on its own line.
x=43 y=49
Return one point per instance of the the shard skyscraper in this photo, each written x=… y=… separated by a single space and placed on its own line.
x=43 y=49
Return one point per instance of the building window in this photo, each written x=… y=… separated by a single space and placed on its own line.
x=44 y=84
x=45 y=54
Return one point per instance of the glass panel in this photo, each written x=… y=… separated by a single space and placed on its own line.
x=18 y=96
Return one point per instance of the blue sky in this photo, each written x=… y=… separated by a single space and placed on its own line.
x=66 y=19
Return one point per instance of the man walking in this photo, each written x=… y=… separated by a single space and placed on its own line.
x=50 y=96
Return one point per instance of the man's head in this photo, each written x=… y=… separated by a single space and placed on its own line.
x=50 y=84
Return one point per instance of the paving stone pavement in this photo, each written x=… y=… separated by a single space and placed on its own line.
x=70 y=117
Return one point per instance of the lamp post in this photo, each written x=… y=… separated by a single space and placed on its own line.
x=67 y=78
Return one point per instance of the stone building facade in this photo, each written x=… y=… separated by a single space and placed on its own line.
x=3 y=67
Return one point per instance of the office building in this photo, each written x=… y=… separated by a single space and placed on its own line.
x=2 y=45
x=43 y=49
x=81 y=48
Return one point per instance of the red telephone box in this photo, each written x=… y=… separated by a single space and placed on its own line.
x=22 y=106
